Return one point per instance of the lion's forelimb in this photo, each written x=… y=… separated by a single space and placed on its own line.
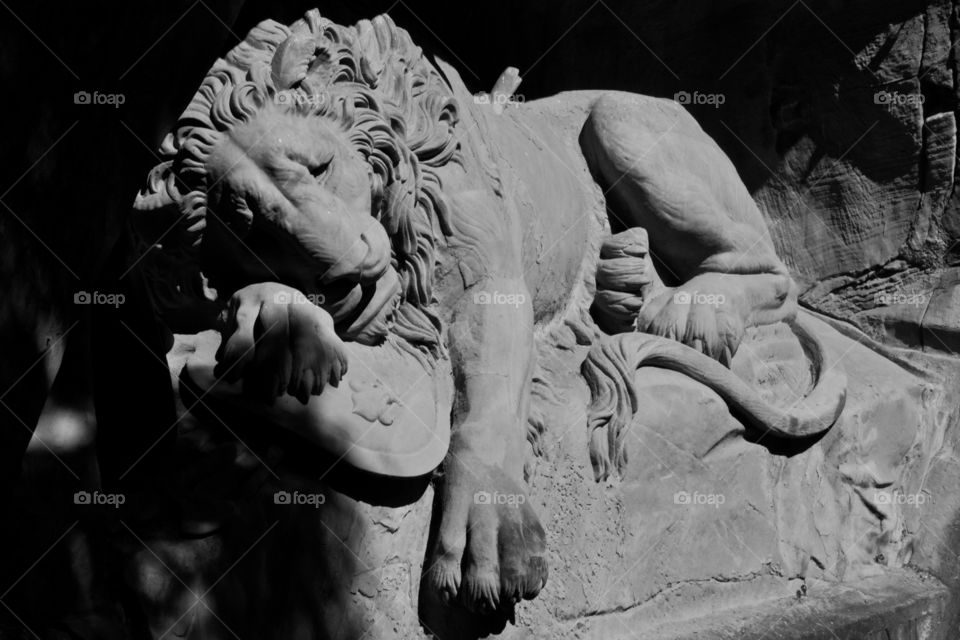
x=491 y=346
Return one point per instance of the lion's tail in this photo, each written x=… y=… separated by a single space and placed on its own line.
x=611 y=364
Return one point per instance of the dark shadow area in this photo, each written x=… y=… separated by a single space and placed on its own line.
x=205 y=552
x=778 y=446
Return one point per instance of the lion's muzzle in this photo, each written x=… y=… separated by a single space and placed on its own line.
x=365 y=261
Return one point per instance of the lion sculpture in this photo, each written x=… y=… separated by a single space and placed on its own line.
x=333 y=202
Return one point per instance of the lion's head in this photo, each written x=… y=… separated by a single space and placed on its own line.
x=309 y=156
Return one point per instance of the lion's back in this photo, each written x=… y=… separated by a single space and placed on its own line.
x=546 y=186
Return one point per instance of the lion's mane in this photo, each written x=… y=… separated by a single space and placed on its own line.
x=372 y=81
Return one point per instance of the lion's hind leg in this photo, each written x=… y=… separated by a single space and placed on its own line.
x=661 y=172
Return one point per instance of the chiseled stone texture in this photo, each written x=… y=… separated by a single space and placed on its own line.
x=862 y=200
x=627 y=559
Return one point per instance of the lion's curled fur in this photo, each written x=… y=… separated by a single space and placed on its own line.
x=370 y=79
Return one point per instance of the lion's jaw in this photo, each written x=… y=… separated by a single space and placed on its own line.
x=302 y=186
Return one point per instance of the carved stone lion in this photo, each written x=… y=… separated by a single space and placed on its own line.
x=333 y=202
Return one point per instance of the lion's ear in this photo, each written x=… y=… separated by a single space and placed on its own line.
x=292 y=60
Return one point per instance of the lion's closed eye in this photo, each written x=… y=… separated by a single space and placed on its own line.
x=316 y=168
x=319 y=169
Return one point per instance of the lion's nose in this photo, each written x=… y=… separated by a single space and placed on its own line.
x=364 y=261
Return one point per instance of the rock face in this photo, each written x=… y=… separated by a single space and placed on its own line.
x=867 y=188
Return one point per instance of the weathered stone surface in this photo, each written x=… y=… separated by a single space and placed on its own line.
x=941 y=320
x=900 y=606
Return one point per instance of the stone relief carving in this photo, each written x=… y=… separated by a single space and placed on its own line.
x=388 y=268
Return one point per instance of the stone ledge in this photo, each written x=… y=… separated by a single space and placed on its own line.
x=899 y=605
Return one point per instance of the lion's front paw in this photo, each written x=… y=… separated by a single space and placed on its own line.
x=702 y=314
x=490 y=550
